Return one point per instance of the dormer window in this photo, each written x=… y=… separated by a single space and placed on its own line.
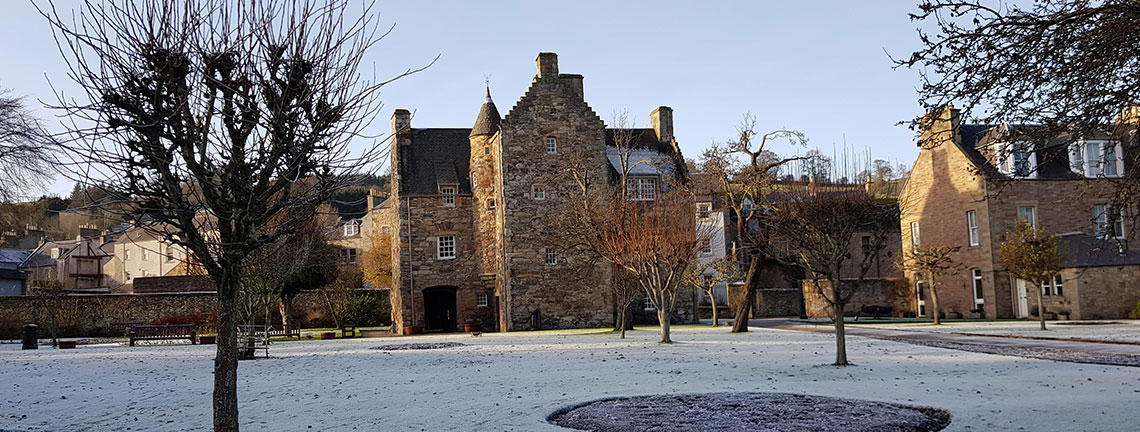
x=703 y=210
x=551 y=145
x=351 y=228
x=448 y=193
x=641 y=188
x=1096 y=158
x=1017 y=159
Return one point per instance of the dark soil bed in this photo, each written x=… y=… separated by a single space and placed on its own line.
x=747 y=412
x=418 y=346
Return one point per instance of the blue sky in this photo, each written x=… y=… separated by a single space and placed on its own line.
x=817 y=66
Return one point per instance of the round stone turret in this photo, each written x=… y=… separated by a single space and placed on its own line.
x=488 y=121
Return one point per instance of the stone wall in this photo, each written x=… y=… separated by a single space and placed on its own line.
x=98 y=314
x=172 y=284
x=873 y=292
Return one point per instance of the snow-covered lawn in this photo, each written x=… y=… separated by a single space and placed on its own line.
x=513 y=381
x=1111 y=330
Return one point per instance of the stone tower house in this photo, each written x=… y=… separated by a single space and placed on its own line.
x=470 y=211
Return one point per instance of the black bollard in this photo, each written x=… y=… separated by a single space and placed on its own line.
x=31 y=337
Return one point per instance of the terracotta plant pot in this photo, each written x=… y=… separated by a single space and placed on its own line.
x=410 y=330
x=328 y=335
x=66 y=344
x=207 y=340
x=469 y=328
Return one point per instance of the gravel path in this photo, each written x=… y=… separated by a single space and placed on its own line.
x=747 y=412
x=1030 y=352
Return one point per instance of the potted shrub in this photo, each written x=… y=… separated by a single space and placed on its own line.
x=411 y=330
x=472 y=325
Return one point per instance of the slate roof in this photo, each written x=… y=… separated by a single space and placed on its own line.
x=1087 y=251
x=1052 y=156
x=487 y=123
x=644 y=145
x=435 y=156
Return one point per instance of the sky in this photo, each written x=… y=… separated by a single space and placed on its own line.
x=821 y=67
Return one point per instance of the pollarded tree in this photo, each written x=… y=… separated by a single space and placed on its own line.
x=225 y=122
x=746 y=169
x=931 y=262
x=1033 y=255
x=819 y=232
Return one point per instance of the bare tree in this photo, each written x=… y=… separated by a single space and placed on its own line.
x=227 y=122
x=931 y=262
x=817 y=165
x=25 y=150
x=710 y=274
x=822 y=229
x=746 y=168
x=1034 y=255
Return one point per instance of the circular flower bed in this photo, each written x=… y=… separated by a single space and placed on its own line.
x=747 y=412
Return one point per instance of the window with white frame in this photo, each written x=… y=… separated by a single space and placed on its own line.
x=1108 y=221
x=972 y=227
x=445 y=247
x=1017 y=159
x=170 y=253
x=551 y=145
x=448 y=193
x=1053 y=287
x=703 y=210
x=481 y=300
x=351 y=228
x=551 y=256
x=126 y=255
x=145 y=254
x=920 y=294
x=647 y=304
x=1028 y=214
x=706 y=246
x=55 y=253
x=979 y=298
x=641 y=188
x=473 y=181
x=537 y=192
x=1096 y=158
x=915 y=237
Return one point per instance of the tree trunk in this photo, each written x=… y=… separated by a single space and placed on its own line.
x=744 y=310
x=663 y=319
x=840 y=335
x=623 y=318
x=715 y=317
x=226 y=361
x=934 y=300
x=284 y=306
x=1040 y=305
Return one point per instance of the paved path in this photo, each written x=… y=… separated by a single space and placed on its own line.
x=1053 y=349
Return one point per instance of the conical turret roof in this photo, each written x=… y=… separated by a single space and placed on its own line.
x=488 y=121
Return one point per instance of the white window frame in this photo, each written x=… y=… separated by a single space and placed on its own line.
x=537 y=192
x=972 y=228
x=1007 y=159
x=145 y=254
x=126 y=254
x=706 y=246
x=1032 y=219
x=170 y=253
x=647 y=304
x=448 y=192
x=1101 y=222
x=481 y=300
x=551 y=255
x=704 y=210
x=351 y=228
x=915 y=236
x=1090 y=158
x=641 y=188
x=551 y=145
x=1054 y=287
x=445 y=247
x=979 y=294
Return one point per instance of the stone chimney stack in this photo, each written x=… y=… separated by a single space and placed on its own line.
x=401 y=124
x=372 y=194
x=547 y=65
x=938 y=126
x=662 y=121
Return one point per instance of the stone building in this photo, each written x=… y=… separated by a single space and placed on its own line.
x=471 y=217
x=971 y=185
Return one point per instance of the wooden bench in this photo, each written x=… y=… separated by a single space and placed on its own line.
x=348 y=330
x=162 y=332
x=286 y=331
x=251 y=338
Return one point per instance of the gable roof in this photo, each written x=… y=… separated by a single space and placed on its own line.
x=1087 y=251
x=1051 y=156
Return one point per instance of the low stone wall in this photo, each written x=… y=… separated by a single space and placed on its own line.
x=102 y=314
x=172 y=284
x=873 y=292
